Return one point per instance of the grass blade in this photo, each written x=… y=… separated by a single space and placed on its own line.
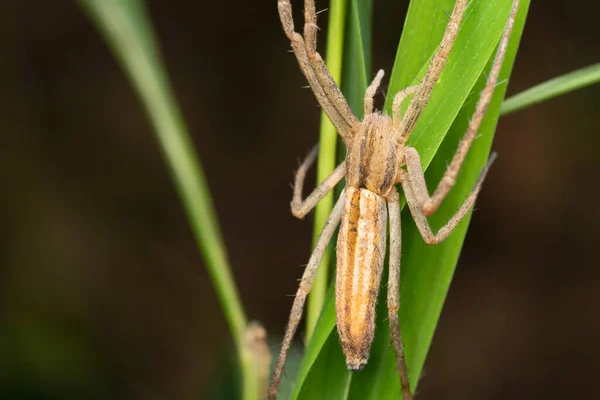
x=552 y=88
x=357 y=59
x=326 y=162
x=428 y=270
x=424 y=27
x=126 y=28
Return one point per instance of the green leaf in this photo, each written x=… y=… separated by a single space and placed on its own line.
x=314 y=349
x=424 y=27
x=426 y=270
x=357 y=58
x=429 y=269
x=323 y=381
x=127 y=29
x=326 y=162
x=552 y=88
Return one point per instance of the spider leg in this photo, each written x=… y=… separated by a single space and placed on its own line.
x=305 y=286
x=397 y=107
x=432 y=74
x=420 y=218
x=393 y=294
x=299 y=207
x=343 y=128
x=430 y=204
x=371 y=91
x=312 y=65
x=331 y=88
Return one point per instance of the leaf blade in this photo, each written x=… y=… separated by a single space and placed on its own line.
x=554 y=87
x=326 y=163
x=127 y=29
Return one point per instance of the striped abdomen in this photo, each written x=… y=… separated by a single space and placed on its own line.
x=360 y=253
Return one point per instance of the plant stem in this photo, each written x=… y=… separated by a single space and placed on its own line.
x=552 y=88
x=326 y=162
x=127 y=29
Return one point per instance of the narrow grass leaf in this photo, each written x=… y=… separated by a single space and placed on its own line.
x=127 y=29
x=552 y=88
x=326 y=162
x=428 y=270
x=424 y=27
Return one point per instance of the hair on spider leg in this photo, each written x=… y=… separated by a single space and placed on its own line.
x=312 y=153
x=502 y=82
x=384 y=91
x=498 y=83
x=322 y=11
x=276 y=345
x=284 y=371
x=470 y=99
x=473 y=95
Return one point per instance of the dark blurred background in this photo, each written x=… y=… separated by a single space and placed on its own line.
x=103 y=293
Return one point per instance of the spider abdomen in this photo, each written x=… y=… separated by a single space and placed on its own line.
x=360 y=254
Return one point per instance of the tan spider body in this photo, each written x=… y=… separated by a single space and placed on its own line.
x=371 y=169
x=376 y=160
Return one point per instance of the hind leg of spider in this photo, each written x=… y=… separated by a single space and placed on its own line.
x=421 y=220
x=393 y=294
x=305 y=286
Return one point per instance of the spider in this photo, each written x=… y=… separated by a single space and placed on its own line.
x=377 y=159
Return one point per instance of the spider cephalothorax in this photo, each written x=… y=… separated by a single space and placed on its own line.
x=372 y=157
